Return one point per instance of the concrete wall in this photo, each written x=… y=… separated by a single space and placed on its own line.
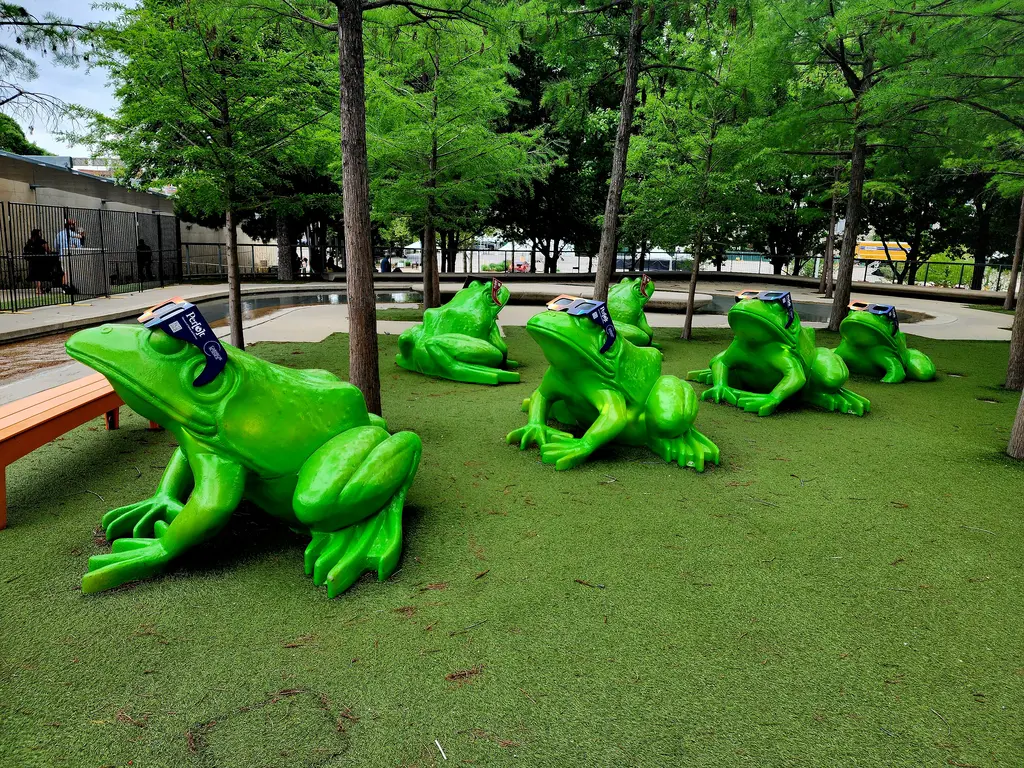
x=25 y=181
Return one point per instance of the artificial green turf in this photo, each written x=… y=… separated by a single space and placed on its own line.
x=400 y=313
x=991 y=308
x=841 y=592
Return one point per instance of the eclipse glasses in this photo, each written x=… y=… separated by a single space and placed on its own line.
x=785 y=298
x=183 y=320
x=597 y=311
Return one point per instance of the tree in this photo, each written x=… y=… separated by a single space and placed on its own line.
x=1016 y=446
x=564 y=206
x=12 y=138
x=206 y=98
x=437 y=95
x=50 y=35
x=845 y=53
x=588 y=40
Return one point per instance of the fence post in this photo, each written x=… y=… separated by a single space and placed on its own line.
x=252 y=252
x=961 y=280
x=160 y=248
x=103 y=257
x=220 y=259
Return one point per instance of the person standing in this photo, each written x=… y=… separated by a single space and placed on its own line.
x=144 y=260
x=43 y=265
x=70 y=236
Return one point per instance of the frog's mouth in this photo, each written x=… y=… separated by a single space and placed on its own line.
x=864 y=329
x=121 y=383
x=603 y=363
x=750 y=319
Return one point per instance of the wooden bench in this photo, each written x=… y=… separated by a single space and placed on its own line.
x=37 y=419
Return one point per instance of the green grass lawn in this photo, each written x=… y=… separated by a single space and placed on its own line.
x=842 y=591
x=991 y=308
x=400 y=313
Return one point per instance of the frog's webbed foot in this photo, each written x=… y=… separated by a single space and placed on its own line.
x=139 y=519
x=129 y=560
x=842 y=400
x=723 y=393
x=511 y=364
x=691 y=449
x=703 y=376
x=535 y=434
x=339 y=558
x=761 y=404
x=566 y=452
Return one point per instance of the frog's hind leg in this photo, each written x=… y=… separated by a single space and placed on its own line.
x=668 y=417
x=350 y=493
x=464 y=358
x=919 y=366
x=634 y=334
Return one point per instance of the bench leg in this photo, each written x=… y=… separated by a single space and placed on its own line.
x=3 y=498
x=113 y=418
x=154 y=427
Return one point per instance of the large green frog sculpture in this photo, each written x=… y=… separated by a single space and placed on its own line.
x=461 y=341
x=772 y=358
x=626 y=302
x=873 y=344
x=615 y=390
x=298 y=444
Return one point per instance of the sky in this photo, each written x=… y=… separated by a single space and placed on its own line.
x=74 y=85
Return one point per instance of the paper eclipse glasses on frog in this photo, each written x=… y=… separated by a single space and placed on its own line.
x=785 y=298
x=597 y=311
x=885 y=310
x=645 y=280
x=183 y=320
x=495 y=287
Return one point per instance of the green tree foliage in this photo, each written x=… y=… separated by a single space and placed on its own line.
x=51 y=36
x=437 y=95
x=210 y=102
x=12 y=138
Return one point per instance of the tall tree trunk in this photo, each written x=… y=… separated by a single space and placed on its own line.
x=431 y=282
x=234 y=280
x=1011 y=289
x=982 y=243
x=1016 y=446
x=285 y=249
x=606 y=255
x=692 y=290
x=830 y=243
x=363 y=360
x=1015 y=368
x=854 y=209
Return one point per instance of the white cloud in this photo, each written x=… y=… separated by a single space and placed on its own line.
x=79 y=85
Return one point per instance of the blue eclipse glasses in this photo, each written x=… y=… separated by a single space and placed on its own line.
x=785 y=298
x=885 y=310
x=597 y=311
x=183 y=320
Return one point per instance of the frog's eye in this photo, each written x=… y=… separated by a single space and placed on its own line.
x=164 y=343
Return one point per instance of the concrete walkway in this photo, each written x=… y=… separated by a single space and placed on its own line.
x=948 y=320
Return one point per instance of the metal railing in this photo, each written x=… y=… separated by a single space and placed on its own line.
x=59 y=254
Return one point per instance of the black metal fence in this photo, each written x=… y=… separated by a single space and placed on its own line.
x=60 y=255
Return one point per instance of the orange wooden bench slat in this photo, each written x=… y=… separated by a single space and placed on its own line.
x=43 y=412
x=89 y=382
x=44 y=432
x=37 y=419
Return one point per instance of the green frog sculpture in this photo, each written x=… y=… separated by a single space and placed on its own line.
x=298 y=444
x=461 y=341
x=626 y=302
x=772 y=359
x=599 y=381
x=873 y=345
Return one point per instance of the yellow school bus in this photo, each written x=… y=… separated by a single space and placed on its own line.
x=871 y=250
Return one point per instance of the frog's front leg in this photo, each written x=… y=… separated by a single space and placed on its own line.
x=219 y=484
x=718 y=376
x=138 y=519
x=537 y=432
x=465 y=358
x=669 y=414
x=890 y=362
x=792 y=381
x=569 y=452
x=825 y=385
x=350 y=494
